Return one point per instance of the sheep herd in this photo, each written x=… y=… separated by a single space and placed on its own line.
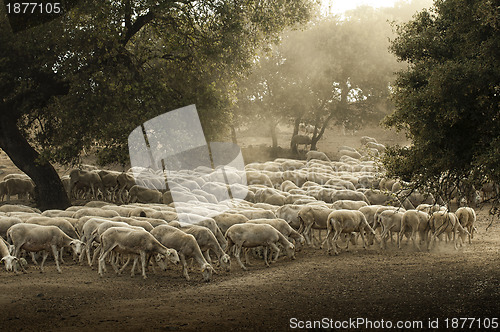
x=272 y=208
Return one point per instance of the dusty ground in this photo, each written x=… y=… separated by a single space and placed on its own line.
x=373 y=284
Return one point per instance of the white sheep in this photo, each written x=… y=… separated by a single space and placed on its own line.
x=445 y=222
x=467 y=217
x=86 y=179
x=347 y=221
x=125 y=182
x=369 y=212
x=345 y=204
x=366 y=139
x=373 y=145
x=6 y=223
x=66 y=226
x=258 y=178
x=250 y=235
x=207 y=241
x=110 y=183
x=317 y=155
x=390 y=221
x=22 y=187
x=283 y=227
x=290 y=213
x=413 y=222
x=186 y=247
x=129 y=241
x=144 y=223
x=347 y=194
x=5 y=255
x=101 y=228
x=312 y=217
x=34 y=238
x=144 y=195
x=226 y=220
x=257 y=213
x=95 y=212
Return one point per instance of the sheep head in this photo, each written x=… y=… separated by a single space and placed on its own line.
x=225 y=261
x=173 y=256
x=77 y=246
x=9 y=262
x=207 y=271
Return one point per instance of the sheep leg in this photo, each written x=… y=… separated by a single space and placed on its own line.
x=326 y=238
x=33 y=258
x=96 y=252
x=237 y=252
x=247 y=259
x=334 y=240
x=114 y=262
x=433 y=238
x=61 y=253
x=275 y=247
x=414 y=239
x=329 y=237
x=383 y=236
x=455 y=240
x=143 y=262
x=362 y=238
x=89 y=245
x=44 y=257
x=265 y=256
x=307 y=234
x=134 y=265
x=124 y=266
x=55 y=252
x=102 y=263
x=82 y=256
x=184 y=266
x=319 y=240
x=400 y=237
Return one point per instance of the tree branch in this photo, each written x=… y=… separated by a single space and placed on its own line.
x=137 y=26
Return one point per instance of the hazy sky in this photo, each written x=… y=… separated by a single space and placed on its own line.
x=340 y=6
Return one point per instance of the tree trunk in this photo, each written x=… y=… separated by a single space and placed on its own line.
x=315 y=139
x=49 y=190
x=233 y=134
x=296 y=125
x=272 y=128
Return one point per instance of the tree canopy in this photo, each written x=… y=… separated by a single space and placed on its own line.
x=337 y=70
x=447 y=99
x=105 y=67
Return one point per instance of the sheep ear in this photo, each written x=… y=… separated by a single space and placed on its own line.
x=1 y=260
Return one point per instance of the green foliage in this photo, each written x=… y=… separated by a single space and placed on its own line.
x=447 y=99
x=124 y=62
